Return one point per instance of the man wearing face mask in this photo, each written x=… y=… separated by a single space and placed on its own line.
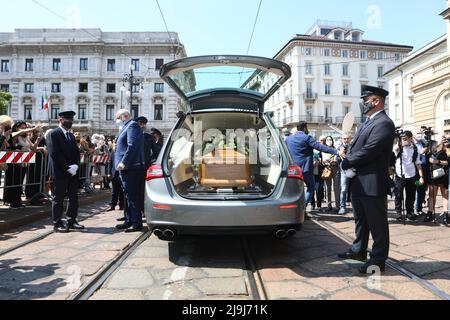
x=407 y=163
x=301 y=147
x=369 y=155
x=130 y=162
x=63 y=166
x=423 y=150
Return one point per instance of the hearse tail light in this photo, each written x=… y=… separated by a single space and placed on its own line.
x=155 y=172
x=295 y=172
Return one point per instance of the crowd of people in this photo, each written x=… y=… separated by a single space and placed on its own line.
x=418 y=174
x=32 y=182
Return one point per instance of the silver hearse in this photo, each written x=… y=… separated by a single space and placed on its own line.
x=225 y=167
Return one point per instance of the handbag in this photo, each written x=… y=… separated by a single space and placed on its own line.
x=327 y=174
x=438 y=173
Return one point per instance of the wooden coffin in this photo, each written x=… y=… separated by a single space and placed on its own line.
x=225 y=168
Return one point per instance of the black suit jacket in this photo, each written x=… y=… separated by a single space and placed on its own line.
x=370 y=154
x=61 y=154
x=151 y=149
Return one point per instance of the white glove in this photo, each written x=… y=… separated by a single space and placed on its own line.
x=73 y=169
x=350 y=173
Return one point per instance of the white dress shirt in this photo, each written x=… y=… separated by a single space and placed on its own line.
x=409 y=168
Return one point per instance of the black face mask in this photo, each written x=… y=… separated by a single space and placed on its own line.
x=67 y=125
x=366 y=107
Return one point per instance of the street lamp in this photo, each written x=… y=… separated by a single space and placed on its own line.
x=131 y=80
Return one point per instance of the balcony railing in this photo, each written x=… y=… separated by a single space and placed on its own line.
x=310 y=96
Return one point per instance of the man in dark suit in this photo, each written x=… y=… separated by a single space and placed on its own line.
x=368 y=159
x=117 y=192
x=301 y=147
x=158 y=137
x=130 y=162
x=63 y=167
x=151 y=150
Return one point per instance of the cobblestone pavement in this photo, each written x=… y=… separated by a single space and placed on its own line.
x=57 y=266
x=202 y=268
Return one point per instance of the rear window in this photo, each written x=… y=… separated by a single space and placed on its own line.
x=224 y=155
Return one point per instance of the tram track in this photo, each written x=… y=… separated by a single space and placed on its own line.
x=254 y=278
x=96 y=282
x=392 y=263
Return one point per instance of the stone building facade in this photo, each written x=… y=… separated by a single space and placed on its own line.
x=83 y=70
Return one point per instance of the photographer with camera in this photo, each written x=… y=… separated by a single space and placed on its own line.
x=422 y=140
x=408 y=174
x=439 y=161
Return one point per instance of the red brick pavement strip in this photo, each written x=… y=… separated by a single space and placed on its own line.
x=55 y=267
x=291 y=270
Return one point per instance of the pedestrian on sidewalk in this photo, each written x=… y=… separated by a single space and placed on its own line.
x=345 y=181
x=367 y=163
x=334 y=182
x=63 y=166
x=117 y=192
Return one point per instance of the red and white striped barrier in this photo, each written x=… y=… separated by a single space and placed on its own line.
x=17 y=157
x=100 y=159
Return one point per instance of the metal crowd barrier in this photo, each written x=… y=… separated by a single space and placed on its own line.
x=27 y=172
x=22 y=172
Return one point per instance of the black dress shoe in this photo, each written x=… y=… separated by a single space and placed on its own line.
x=350 y=255
x=133 y=229
x=111 y=209
x=373 y=268
x=74 y=225
x=123 y=226
x=60 y=228
x=121 y=219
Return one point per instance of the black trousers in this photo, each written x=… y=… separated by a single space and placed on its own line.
x=371 y=218
x=60 y=188
x=117 y=193
x=14 y=176
x=409 y=187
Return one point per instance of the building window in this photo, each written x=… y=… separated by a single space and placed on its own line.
x=345 y=70
x=136 y=64
x=309 y=93
x=56 y=65
x=327 y=112
x=363 y=71
x=158 y=112
x=111 y=88
x=159 y=63
x=29 y=87
x=56 y=87
x=5 y=66
x=397 y=57
x=308 y=51
x=4 y=88
x=363 y=54
x=327 y=88
x=380 y=71
x=397 y=90
x=397 y=112
x=54 y=112
x=447 y=103
x=28 y=112
x=346 y=110
x=380 y=55
x=344 y=53
x=84 y=64
x=345 y=90
x=110 y=110
x=135 y=88
x=29 y=64
x=327 y=69
x=134 y=111
x=83 y=87
x=159 y=87
x=82 y=111
x=309 y=113
x=111 y=65
x=327 y=52
x=308 y=68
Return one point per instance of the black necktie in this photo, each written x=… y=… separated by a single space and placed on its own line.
x=68 y=137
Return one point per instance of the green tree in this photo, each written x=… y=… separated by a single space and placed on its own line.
x=5 y=100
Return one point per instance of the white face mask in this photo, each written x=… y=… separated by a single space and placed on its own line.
x=419 y=137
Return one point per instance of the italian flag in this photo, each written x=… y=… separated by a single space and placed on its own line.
x=45 y=102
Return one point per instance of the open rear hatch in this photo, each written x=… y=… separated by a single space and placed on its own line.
x=255 y=79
